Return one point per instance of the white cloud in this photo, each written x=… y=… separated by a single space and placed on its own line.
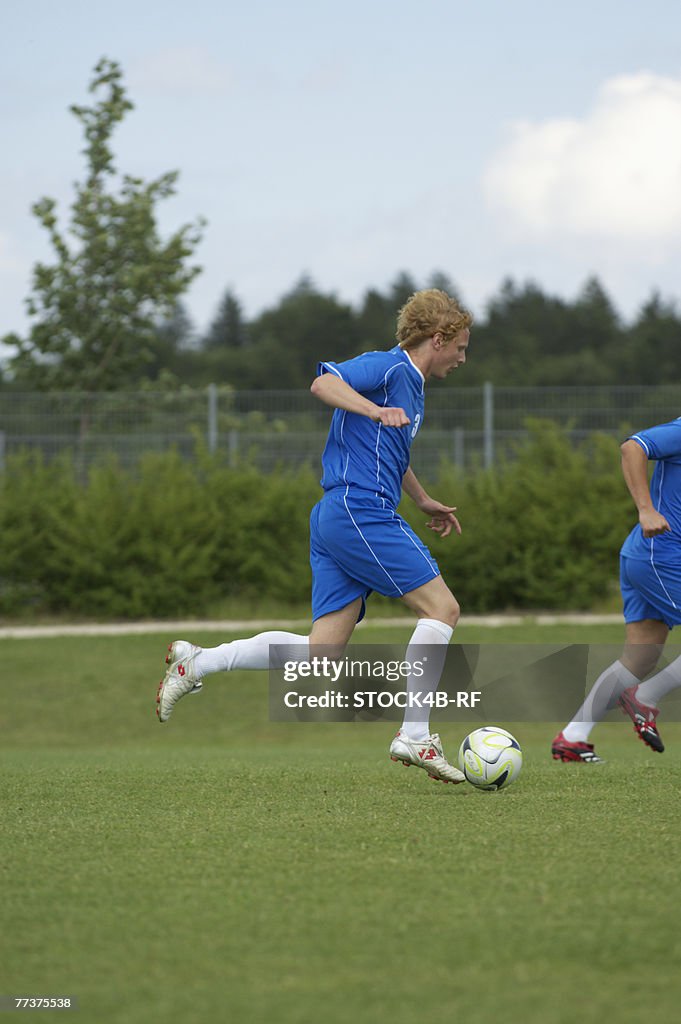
x=181 y=70
x=614 y=174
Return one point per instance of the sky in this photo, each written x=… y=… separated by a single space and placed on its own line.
x=352 y=141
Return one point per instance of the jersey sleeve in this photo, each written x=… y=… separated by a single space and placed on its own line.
x=364 y=373
x=661 y=442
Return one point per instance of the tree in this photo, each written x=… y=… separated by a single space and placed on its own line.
x=650 y=352
x=402 y=288
x=228 y=329
x=596 y=320
x=176 y=330
x=376 y=320
x=377 y=315
x=438 y=279
x=174 y=336
x=289 y=340
x=97 y=307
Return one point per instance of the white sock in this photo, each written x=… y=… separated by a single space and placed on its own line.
x=602 y=697
x=658 y=686
x=251 y=653
x=436 y=636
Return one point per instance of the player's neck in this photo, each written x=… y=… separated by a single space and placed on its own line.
x=420 y=356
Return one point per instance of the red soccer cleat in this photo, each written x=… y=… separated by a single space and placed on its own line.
x=643 y=718
x=563 y=750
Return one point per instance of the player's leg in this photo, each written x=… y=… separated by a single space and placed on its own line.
x=434 y=600
x=188 y=664
x=333 y=630
x=644 y=643
x=653 y=690
x=336 y=607
x=438 y=613
x=649 y=609
x=377 y=550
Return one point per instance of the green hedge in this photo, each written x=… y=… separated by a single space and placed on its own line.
x=172 y=537
x=542 y=531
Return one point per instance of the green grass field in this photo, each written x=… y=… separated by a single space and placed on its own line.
x=223 y=867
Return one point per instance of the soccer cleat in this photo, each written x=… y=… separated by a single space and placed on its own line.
x=426 y=754
x=180 y=678
x=564 y=750
x=643 y=718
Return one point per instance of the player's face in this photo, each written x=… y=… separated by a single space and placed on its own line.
x=448 y=357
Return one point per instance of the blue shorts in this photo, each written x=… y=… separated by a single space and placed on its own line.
x=358 y=543
x=650 y=591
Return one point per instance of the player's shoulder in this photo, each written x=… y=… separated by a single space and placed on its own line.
x=378 y=362
x=671 y=427
x=385 y=356
x=391 y=359
x=372 y=369
x=661 y=440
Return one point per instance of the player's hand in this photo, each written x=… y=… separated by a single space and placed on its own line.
x=652 y=523
x=391 y=417
x=442 y=520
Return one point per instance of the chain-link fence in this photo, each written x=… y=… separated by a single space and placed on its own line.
x=464 y=426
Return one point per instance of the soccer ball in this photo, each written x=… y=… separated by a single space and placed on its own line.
x=490 y=758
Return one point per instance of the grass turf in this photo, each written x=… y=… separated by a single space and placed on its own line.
x=226 y=867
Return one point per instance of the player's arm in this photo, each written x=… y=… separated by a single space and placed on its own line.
x=442 y=520
x=635 y=473
x=335 y=392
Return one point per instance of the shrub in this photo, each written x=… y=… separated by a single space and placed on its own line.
x=543 y=530
x=171 y=537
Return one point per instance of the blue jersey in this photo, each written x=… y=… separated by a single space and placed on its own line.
x=360 y=453
x=662 y=443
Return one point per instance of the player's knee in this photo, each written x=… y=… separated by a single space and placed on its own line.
x=452 y=612
x=447 y=611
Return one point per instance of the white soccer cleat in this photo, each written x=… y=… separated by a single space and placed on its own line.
x=179 y=680
x=426 y=754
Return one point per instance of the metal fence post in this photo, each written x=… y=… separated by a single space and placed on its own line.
x=488 y=422
x=233 y=448
x=459 y=456
x=212 y=417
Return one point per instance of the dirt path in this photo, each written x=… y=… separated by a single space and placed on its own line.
x=184 y=627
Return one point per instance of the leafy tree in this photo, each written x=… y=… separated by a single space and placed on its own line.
x=96 y=308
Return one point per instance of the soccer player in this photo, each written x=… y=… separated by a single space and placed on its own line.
x=650 y=581
x=358 y=541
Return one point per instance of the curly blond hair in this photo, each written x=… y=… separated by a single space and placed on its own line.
x=430 y=312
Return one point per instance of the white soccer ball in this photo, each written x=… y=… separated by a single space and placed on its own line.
x=490 y=758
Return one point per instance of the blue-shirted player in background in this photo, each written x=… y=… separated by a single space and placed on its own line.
x=650 y=580
x=358 y=540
